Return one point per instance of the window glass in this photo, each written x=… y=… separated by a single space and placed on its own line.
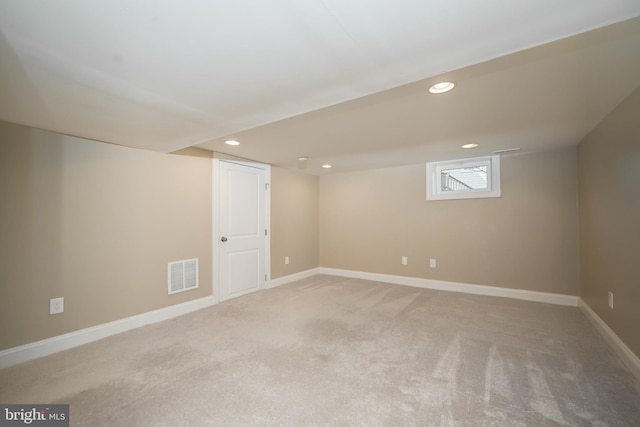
x=461 y=179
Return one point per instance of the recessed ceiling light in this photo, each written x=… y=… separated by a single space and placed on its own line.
x=327 y=166
x=441 y=87
x=469 y=145
x=303 y=158
x=232 y=142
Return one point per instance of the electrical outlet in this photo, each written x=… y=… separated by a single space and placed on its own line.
x=286 y=260
x=611 y=300
x=56 y=305
x=404 y=260
x=432 y=263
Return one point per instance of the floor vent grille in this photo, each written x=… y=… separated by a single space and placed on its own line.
x=182 y=275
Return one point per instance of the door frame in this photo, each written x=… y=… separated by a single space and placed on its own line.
x=218 y=157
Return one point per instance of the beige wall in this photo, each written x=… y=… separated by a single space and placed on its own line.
x=609 y=177
x=96 y=224
x=527 y=239
x=294 y=222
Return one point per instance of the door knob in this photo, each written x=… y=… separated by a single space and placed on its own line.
x=224 y=239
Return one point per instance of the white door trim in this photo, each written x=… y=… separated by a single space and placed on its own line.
x=215 y=224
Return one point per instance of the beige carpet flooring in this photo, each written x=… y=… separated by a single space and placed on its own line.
x=343 y=352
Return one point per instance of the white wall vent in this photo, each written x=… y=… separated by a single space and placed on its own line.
x=183 y=275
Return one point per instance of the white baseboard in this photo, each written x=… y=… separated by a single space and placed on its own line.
x=52 y=345
x=24 y=353
x=628 y=357
x=292 y=278
x=440 y=285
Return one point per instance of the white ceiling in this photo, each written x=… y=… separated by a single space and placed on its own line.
x=341 y=81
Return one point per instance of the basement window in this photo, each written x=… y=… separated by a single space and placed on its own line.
x=464 y=179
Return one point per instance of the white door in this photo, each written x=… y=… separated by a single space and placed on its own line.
x=241 y=228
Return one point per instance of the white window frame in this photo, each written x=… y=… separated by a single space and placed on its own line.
x=434 y=184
